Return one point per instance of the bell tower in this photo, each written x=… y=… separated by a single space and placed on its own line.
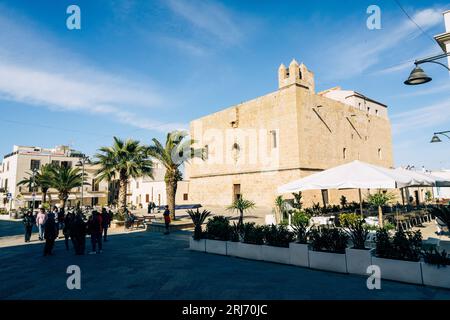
x=295 y=75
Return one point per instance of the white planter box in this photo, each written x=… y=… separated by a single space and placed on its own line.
x=197 y=245
x=298 y=254
x=434 y=276
x=275 y=254
x=216 y=246
x=399 y=270
x=358 y=260
x=328 y=261
x=244 y=250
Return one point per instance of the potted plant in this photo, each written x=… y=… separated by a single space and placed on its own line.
x=252 y=240
x=436 y=268
x=277 y=239
x=378 y=200
x=217 y=235
x=298 y=250
x=398 y=257
x=358 y=256
x=328 y=249
x=196 y=242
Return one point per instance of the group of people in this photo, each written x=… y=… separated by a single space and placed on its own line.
x=74 y=226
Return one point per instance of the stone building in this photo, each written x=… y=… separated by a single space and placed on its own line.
x=258 y=145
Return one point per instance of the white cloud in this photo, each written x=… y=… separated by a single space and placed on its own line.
x=36 y=70
x=355 y=54
x=210 y=18
x=424 y=117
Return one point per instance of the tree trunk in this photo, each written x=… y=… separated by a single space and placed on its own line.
x=380 y=216
x=122 y=194
x=44 y=196
x=241 y=217
x=62 y=200
x=171 y=191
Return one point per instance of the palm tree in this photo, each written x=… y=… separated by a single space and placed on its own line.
x=379 y=200
x=242 y=206
x=64 y=179
x=177 y=150
x=125 y=159
x=280 y=207
x=42 y=179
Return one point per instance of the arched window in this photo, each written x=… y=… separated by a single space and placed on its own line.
x=236 y=150
x=344 y=153
x=380 y=154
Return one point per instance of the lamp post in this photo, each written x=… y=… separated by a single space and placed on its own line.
x=436 y=138
x=84 y=159
x=33 y=189
x=418 y=76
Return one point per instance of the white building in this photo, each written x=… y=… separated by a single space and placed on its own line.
x=143 y=190
x=18 y=165
x=443 y=39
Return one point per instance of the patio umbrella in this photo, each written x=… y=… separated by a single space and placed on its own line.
x=352 y=175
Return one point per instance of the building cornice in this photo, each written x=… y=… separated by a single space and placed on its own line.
x=441 y=39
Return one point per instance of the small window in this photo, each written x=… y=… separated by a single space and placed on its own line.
x=380 y=155
x=147 y=198
x=7 y=166
x=185 y=196
x=376 y=112
x=344 y=153
x=274 y=139
x=35 y=164
x=137 y=184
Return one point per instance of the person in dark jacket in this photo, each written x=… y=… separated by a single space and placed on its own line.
x=28 y=221
x=50 y=235
x=78 y=233
x=106 y=223
x=95 y=230
x=61 y=218
x=149 y=207
x=68 y=220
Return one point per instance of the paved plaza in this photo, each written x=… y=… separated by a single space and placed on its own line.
x=146 y=265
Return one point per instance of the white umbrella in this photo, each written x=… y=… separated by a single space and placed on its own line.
x=352 y=175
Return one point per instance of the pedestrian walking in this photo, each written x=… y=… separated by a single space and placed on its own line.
x=166 y=215
x=28 y=221
x=95 y=230
x=41 y=218
x=149 y=207
x=106 y=223
x=61 y=218
x=68 y=220
x=50 y=235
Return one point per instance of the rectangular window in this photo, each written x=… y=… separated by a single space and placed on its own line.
x=236 y=191
x=185 y=196
x=205 y=152
x=137 y=184
x=7 y=166
x=274 y=138
x=95 y=185
x=325 y=197
x=6 y=184
x=147 y=198
x=35 y=164
x=66 y=164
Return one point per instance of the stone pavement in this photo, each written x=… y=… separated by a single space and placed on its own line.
x=146 y=265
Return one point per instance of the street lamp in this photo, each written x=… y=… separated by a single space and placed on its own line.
x=418 y=76
x=84 y=159
x=436 y=138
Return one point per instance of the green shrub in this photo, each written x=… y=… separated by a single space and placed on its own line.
x=357 y=228
x=278 y=236
x=432 y=256
x=235 y=232
x=328 y=240
x=300 y=222
x=252 y=233
x=403 y=246
x=198 y=218
x=218 y=228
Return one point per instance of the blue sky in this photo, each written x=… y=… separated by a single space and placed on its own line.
x=140 y=68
